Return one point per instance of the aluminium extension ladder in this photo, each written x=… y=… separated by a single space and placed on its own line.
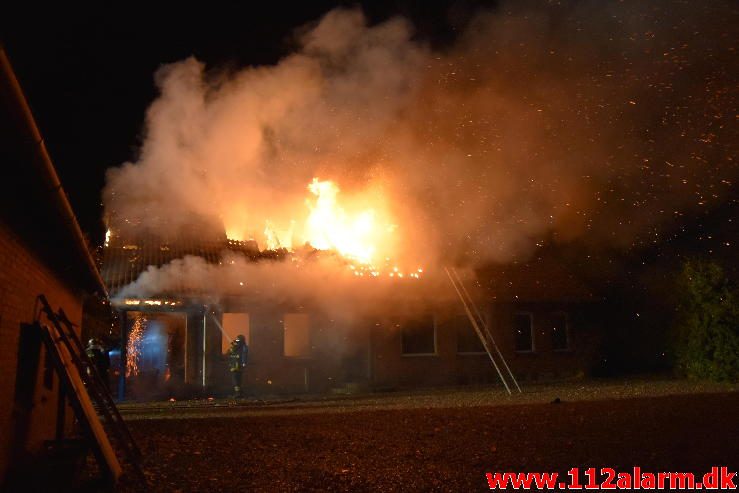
x=481 y=328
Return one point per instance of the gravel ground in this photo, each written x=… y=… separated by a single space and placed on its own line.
x=441 y=440
x=420 y=399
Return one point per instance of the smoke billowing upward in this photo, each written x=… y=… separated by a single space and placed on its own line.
x=602 y=123
x=324 y=282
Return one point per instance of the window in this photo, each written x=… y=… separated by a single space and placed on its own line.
x=419 y=336
x=234 y=324
x=523 y=331
x=467 y=339
x=560 y=332
x=297 y=335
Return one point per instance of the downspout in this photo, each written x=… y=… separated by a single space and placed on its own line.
x=205 y=334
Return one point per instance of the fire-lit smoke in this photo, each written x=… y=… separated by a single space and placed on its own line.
x=603 y=123
x=341 y=288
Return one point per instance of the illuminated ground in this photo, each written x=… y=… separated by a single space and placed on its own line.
x=426 y=398
x=442 y=440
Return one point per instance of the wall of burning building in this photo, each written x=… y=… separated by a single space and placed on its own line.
x=317 y=321
x=154 y=356
x=303 y=349
x=162 y=353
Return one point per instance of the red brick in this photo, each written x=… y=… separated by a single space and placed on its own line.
x=23 y=277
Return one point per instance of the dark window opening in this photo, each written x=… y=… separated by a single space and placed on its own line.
x=419 y=336
x=523 y=332
x=560 y=336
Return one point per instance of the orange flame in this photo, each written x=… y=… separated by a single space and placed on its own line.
x=329 y=227
x=363 y=235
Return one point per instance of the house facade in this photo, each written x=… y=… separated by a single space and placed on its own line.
x=540 y=316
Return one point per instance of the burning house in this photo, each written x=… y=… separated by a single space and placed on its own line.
x=182 y=302
x=311 y=205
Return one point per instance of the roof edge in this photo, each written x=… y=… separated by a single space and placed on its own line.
x=48 y=172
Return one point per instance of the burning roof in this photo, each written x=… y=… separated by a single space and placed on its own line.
x=348 y=239
x=125 y=259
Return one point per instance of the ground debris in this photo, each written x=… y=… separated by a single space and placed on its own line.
x=438 y=449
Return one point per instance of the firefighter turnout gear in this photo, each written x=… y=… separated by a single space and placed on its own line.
x=99 y=357
x=237 y=356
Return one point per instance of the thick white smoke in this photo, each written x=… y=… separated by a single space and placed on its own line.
x=324 y=282
x=595 y=122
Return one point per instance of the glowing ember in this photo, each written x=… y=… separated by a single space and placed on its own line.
x=133 y=347
x=135 y=302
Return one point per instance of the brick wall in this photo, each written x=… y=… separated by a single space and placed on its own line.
x=22 y=278
x=544 y=362
x=382 y=363
x=369 y=351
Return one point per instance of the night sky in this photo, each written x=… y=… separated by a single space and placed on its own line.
x=88 y=76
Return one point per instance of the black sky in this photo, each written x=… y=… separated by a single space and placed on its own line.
x=88 y=74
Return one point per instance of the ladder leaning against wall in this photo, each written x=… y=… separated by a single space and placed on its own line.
x=481 y=329
x=93 y=405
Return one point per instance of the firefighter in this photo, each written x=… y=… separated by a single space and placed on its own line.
x=237 y=355
x=100 y=358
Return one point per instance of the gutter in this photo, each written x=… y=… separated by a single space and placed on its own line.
x=47 y=171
